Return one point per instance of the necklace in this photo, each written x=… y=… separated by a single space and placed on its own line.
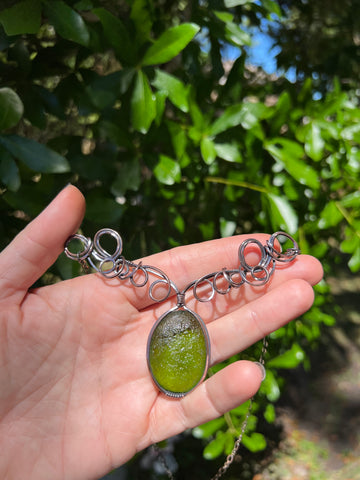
x=178 y=348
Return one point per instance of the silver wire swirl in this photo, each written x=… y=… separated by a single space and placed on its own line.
x=113 y=264
x=255 y=275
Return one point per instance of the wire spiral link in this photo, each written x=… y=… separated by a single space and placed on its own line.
x=114 y=264
x=255 y=275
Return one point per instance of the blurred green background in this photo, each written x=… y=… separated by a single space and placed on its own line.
x=161 y=113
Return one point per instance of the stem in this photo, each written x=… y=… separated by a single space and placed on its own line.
x=230 y=423
x=237 y=183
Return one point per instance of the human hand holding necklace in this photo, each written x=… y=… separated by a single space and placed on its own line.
x=77 y=398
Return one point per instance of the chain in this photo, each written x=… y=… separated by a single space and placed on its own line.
x=163 y=461
x=230 y=458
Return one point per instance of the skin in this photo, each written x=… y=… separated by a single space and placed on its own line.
x=76 y=397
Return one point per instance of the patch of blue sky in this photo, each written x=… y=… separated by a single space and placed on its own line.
x=262 y=53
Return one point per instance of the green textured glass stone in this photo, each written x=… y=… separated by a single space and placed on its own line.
x=178 y=351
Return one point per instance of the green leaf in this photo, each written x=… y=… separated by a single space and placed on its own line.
x=283 y=216
x=11 y=108
x=270 y=386
x=228 y=151
x=128 y=178
x=167 y=170
x=350 y=244
x=35 y=155
x=255 y=442
x=315 y=315
x=354 y=262
x=236 y=36
x=241 y=410
x=224 y=16
x=269 y=413
x=143 y=104
x=290 y=359
x=272 y=7
x=84 y=5
x=116 y=34
x=141 y=15
x=314 y=143
x=351 y=200
x=102 y=210
x=289 y=154
x=179 y=138
x=170 y=44
x=160 y=104
x=208 y=151
x=236 y=3
x=330 y=216
x=67 y=22
x=208 y=428
x=9 y=172
x=179 y=223
x=23 y=17
x=216 y=447
x=227 y=227
x=174 y=89
x=245 y=114
x=351 y=133
x=103 y=91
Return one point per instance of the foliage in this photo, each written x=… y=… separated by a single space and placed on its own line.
x=134 y=103
x=320 y=39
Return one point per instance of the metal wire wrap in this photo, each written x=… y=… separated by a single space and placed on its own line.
x=113 y=264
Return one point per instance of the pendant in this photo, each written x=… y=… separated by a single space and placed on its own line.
x=178 y=351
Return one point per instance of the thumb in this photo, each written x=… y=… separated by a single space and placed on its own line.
x=37 y=247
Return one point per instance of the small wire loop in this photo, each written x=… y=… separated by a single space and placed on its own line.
x=224 y=275
x=100 y=252
x=202 y=281
x=260 y=279
x=264 y=260
x=138 y=268
x=108 y=272
x=84 y=253
x=123 y=268
x=281 y=256
x=161 y=281
x=234 y=283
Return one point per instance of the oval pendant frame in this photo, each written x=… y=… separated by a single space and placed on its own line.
x=205 y=332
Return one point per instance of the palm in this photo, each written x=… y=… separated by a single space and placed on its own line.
x=74 y=368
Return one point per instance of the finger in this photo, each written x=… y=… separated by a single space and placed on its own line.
x=240 y=329
x=220 y=393
x=36 y=248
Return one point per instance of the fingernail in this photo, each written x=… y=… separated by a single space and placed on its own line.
x=262 y=368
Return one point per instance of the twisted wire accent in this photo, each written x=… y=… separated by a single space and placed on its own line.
x=255 y=275
x=114 y=264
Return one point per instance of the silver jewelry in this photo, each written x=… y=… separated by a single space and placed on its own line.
x=178 y=347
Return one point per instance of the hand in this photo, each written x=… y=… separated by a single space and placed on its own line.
x=76 y=397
